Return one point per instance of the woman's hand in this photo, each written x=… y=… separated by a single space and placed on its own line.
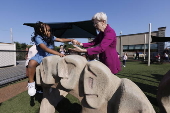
x=77 y=49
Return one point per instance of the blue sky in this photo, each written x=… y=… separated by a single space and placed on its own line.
x=128 y=16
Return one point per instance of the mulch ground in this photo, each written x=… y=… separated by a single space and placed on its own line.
x=12 y=90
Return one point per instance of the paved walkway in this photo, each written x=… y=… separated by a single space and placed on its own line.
x=9 y=74
x=12 y=73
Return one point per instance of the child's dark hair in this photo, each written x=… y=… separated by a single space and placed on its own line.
x=39 y=29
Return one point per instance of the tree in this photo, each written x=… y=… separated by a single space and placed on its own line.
x=20 y=46
x=23 y=46
x=17 y=45
x=67 y=45
x=56 y=48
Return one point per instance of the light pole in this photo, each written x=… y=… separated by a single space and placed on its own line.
x=149 y=39
x=120 y=51
x=11 y=35
x=144 y=46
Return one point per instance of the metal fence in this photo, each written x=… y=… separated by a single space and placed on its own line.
x=20 y=55
x=9 y=70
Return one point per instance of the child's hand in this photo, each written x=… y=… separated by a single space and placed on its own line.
x=61 y=55
x=74 y=42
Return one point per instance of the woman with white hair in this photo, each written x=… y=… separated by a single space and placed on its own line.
x=105 y=41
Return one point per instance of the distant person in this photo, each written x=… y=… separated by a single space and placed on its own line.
x=104 y=44
x=45 y=44
x=137 y=55
x=118 y=55
x=84 y=55
x=124 y=58
x=92 y=57
x=166 y=50
x=62 y=50
x=158 y=57
x=166 y=54
x=166 y=57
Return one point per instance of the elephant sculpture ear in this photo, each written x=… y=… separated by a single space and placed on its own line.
x=48 y=69
x=96 y=83
x=69 y=69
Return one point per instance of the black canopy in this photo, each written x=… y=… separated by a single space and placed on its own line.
x=80 y=29
x=160 y=39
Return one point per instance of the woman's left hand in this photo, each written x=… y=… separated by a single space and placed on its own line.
x=77 y=49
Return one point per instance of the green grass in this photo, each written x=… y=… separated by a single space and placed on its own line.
x=22 y=103
x=146 y=77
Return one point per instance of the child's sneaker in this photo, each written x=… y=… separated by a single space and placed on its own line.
x=31 y=89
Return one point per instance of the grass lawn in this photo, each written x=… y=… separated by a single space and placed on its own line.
x=146 y=77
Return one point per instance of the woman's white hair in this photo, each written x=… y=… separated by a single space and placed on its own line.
x=100 y=16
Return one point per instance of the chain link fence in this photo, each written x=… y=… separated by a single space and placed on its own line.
x=12 y=65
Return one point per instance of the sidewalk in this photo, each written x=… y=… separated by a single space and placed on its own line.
x=12 y=73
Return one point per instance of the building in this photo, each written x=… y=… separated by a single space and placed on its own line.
x=135 y=42
x=7 y=54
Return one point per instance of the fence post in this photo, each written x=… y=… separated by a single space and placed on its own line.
x=14 y=54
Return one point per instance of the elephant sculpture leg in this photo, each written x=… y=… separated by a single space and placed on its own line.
x=46 y=74
x=51 y=97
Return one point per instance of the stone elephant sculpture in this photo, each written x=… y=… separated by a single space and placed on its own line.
x=163 y=94
x=47 y=77
x=98 y=90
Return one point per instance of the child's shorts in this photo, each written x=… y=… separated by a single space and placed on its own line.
x=39 y=58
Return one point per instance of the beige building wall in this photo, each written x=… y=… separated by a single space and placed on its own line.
x=7 y=57
x=136 y=39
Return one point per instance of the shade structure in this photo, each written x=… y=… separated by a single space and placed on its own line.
x=160 y=39
x=80 y=29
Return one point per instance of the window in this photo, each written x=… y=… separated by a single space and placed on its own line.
x=154 y=46
x=146 y=46
x=131 y=47
x=125 y=47
x=138 y=47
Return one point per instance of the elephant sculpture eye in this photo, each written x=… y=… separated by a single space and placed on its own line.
x=91 y=82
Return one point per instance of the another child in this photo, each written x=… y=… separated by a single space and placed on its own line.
x=158 y=57
x=62 y=49
x=31 y=53
x=92 y=57
x=84 y=55
x=45 y=43
x=124 y=59
x=166 y=57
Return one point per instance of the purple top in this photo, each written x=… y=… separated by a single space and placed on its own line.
x=106 y=48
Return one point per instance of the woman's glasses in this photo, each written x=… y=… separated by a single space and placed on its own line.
x=95 y=23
